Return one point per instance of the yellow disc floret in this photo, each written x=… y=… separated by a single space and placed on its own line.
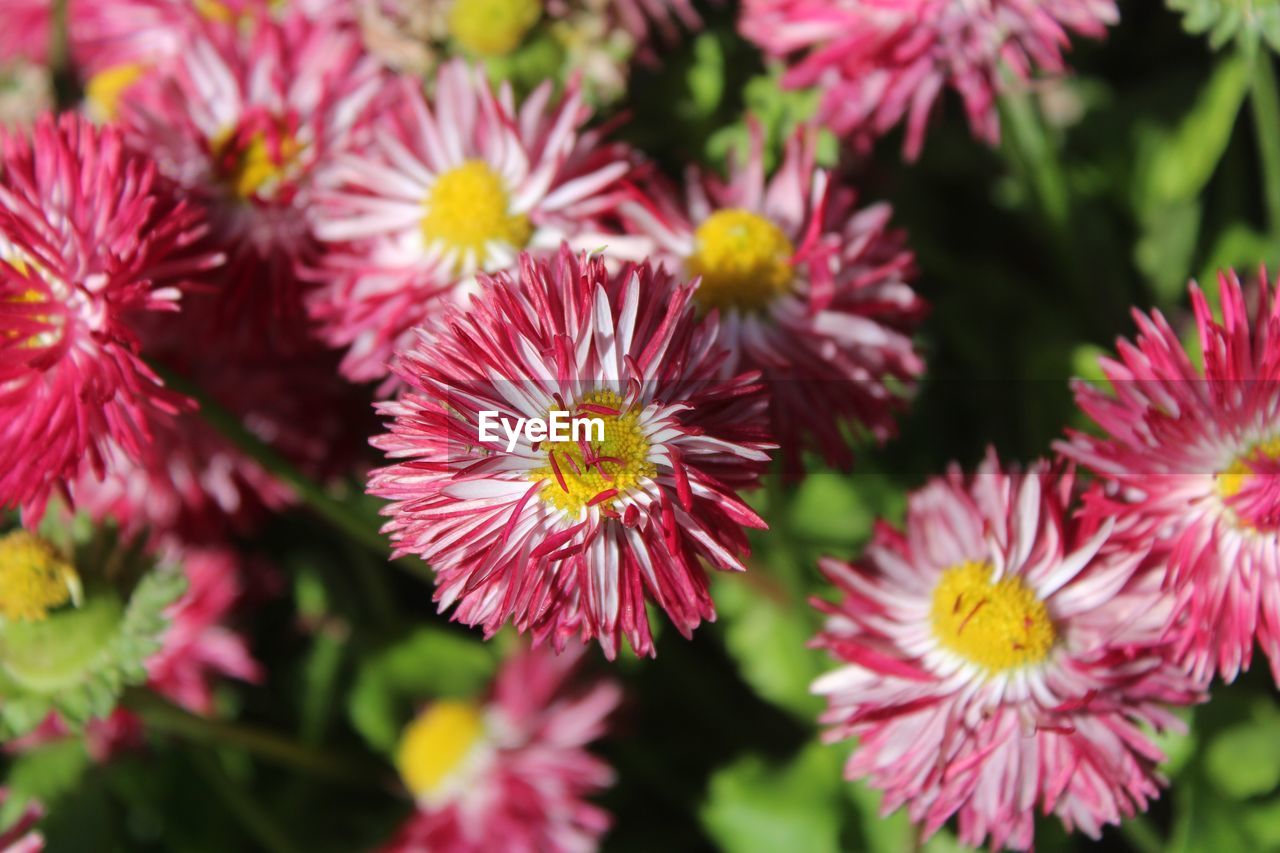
x=1233 y=478
x=104 y=89
x=435 y=744
x=608 y=468
x=469 y=208
x=254 y=167
x=34 y=579
x=744 y=260
x=998 y=626
x=492 y=27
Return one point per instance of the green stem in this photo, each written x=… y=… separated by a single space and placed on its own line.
x=163 y=716
x=256 y=821
x=1264 y=98
x=356 y=526
x=1035 y=156
x=1141 y=835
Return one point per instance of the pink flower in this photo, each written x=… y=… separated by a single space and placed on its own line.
x=513 y=774
x=89 y=241
x=243 y=122
x=199 y=645
x=21 y=837
x=810 y=290
x=564 y=537
x=1000 y=657
x=881 y=62
x=27 y=32
x=1191 y=455
x=448 y=187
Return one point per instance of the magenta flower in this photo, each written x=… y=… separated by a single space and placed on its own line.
x=810 y=289
x=1192 y=455
x=573 y=536
x=884 y=62
x=1000 y=657
x=27 y=32
x=22 y=837
x=512 y=774
x=448 y=187
x=90 y=239
x=242 y=121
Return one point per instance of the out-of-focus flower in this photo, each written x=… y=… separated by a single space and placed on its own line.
x=1193 y=457
x=242 y=121
x=191 y=485
x=564 y=537
x=513 y=773
x=27 y=34
x=810 y=290
x=1001 y=658
x=90 y=240
x=26 y=93
x=882 y=62
x=446 y=188
x=21 y=836
x=1224 y=20
x=595 y=39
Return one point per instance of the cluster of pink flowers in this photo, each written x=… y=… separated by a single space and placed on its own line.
x=267 y=207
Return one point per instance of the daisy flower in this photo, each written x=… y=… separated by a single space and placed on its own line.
x=242 y=122
x=447 y=188
x=572 y=536
x=884 y=62
x=810 y=289
x=999 y=657
x=90 y=239
x=1191 y=455
x=511 y=773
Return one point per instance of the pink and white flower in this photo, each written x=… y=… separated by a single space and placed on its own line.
x=1001 y=657
x=573 y=537
x=90 y=240
x=513 y=773
x=810 y=289
x=1190 y=455
x=448 y=187
x=243 y=122
x=27 y=33
x=885 y=62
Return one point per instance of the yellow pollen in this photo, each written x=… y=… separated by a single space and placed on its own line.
x=1232 y=480
x=469 y=208
x=492 y=27
x=105 y=88
x=998 y=626
x=619 y=462
x=251 y=169
x=743 y=258
x=34 y=579
x=434 y=745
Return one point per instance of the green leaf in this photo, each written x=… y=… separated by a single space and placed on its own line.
x=766 y=630
x=1244 y=760
x=755 y=807
x=1165 y=251
x=882 y=834
x=43 y=774
x=835 y=509
x=428 y=664
x=707 y=74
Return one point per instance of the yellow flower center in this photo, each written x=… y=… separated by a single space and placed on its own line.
x=744 y=260
x=34 y=579
x=1232 y=480
x=435 y=744
x=253 y=167
x=998 y=626
x=105 y=88
x=607 y=469
x=492 y=27
x=469 y=208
